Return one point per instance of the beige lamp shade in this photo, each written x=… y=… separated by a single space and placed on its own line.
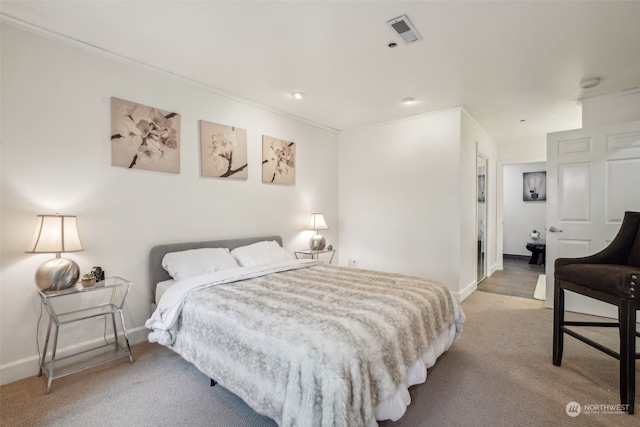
x=317 y=222
x=56 y=234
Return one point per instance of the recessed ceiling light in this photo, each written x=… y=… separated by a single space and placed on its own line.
x=297 y=95
x=409 y=100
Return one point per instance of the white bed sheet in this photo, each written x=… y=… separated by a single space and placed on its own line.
x=162 y=287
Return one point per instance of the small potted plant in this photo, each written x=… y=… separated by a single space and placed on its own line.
x=88 y=280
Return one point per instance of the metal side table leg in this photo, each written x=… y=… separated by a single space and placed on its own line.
x=53 y=358
x=46 y=345
x=126 y=336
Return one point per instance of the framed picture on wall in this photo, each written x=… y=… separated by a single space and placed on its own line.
x=534 y=186
x=223 y=150
x=278 y=161
x=144 y=137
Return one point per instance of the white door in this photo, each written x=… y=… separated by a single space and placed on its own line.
x=593 y=177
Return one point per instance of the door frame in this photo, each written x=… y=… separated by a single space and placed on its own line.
x=485 y=261
x=499 y=265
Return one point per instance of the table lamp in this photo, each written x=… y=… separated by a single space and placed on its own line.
x=317 y=222
x=56 y=234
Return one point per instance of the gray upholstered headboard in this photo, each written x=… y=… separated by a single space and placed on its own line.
x=158 y=274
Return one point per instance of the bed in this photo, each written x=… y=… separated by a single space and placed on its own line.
x=301 y=341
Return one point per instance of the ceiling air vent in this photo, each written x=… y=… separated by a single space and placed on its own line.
x=405 y=29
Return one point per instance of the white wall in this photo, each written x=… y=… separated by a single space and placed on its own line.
x=611 y=109
x=399 y=196
x=56 y=158
x=407 y=197
x=520 y=218
x=475 y=140
x=527 y=152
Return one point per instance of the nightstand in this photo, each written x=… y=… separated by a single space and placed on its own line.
x=314 y=254
x=67 y=306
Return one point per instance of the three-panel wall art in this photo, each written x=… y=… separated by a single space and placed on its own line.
x=148 y=138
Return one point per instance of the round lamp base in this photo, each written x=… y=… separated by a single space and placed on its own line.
x=317 y=242
x=56 y=274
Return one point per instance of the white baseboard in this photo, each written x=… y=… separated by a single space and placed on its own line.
x=29 y=366
x=465 y=292
x=492 y=269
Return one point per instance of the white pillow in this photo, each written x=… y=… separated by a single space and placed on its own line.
x=260 y=253
x=194 y=262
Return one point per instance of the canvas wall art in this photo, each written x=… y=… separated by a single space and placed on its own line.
x=278 y=161
x=144 y=137
x=534 y=186
x=223 y=151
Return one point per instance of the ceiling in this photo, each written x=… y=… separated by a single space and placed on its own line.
x=516 y=66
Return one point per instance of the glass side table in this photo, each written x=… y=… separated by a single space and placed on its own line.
x=315 y=253
x=66 y=306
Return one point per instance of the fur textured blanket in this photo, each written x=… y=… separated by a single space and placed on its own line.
x=316 y=346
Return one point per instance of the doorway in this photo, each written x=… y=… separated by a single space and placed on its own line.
x=481 y=216
x=518 y=217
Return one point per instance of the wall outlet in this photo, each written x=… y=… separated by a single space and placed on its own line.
x=353 y=262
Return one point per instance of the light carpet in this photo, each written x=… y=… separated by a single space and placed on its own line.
x=499 y=373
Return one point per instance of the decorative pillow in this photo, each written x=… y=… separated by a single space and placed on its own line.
x=194 y=262
x=260 y=253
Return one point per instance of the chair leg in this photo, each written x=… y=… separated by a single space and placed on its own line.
x=627 y=317
x=558 y=322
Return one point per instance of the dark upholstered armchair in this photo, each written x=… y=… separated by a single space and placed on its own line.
x=613 y=276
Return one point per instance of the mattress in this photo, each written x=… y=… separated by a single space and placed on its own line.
x=162 y=287
x=255 y=338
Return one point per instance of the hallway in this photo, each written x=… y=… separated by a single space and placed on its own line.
x=518 y=278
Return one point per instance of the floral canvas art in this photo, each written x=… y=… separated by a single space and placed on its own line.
x=144 y=137
x=278 y=161
x=223 y=150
